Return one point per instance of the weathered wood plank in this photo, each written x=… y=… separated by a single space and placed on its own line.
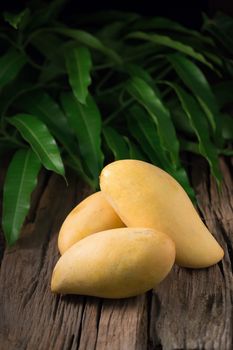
x=31 y=316
x=191 y=309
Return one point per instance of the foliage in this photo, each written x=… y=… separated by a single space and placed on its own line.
x=109 y=86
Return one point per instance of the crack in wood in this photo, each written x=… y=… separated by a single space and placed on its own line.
x=228 y=243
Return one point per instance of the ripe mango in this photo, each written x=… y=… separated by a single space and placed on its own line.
x=144 y=195
x=117 y=263
x=92 y=215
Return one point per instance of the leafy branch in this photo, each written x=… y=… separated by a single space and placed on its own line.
x=140 y=88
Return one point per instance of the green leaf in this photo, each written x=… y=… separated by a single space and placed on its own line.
x=200 y=127
x=135 y=70
x=141 y=140
x=89 y=40
x=144 y=130
x=36 y=133
x=50 y=71
x=86 y=123
x=173 y=44
x=111 y=33
x=44 y=107
x=18 y=19
x=10 y=65
x=193 y=77
x=165 y=24
x=21 y=179
x=116 y=143
x=78 y=63
x=180 y=120
x=147 y=97
x=50 y=47
x=189 y=146
x=134 y=150
x=72 y=161
x=53 y=49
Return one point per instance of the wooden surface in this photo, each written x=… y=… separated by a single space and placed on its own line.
x=191 y=309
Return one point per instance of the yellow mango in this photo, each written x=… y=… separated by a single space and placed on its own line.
x=144 y=195
x=92 y=215
x=116 y=263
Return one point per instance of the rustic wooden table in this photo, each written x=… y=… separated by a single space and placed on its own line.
x=190 y=309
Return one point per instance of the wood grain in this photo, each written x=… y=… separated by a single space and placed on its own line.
x=190 y=309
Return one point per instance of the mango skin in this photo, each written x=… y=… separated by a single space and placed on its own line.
x=116 y=263
x=93 y=214
x=144 y=195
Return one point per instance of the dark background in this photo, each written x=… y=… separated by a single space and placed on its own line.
x=187 y=12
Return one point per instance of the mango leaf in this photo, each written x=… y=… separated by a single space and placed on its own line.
x=49 y=112
x=111 y=32
x=36 y=133
x=89 y=40
x=86 y=123
x=193 y=77
x=147 y=97
x=43 y=106
x=135 y=70
x=200 y=127
x=116 y=143
x=17 y=20
x=179 y=117
x=50 y=72
x=10 y=65
x=141 y=139
x=134 y=150
x=173 y=44
x=215 y=59
x=72 y=161
x=165 y=24
x=78 y=63
x=189 y=146
x=21 y=179
x=49 y=47
x=144 y=130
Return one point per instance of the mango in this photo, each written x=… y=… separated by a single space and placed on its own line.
x=144 y=195
x=116 y=263
x=92 y=215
